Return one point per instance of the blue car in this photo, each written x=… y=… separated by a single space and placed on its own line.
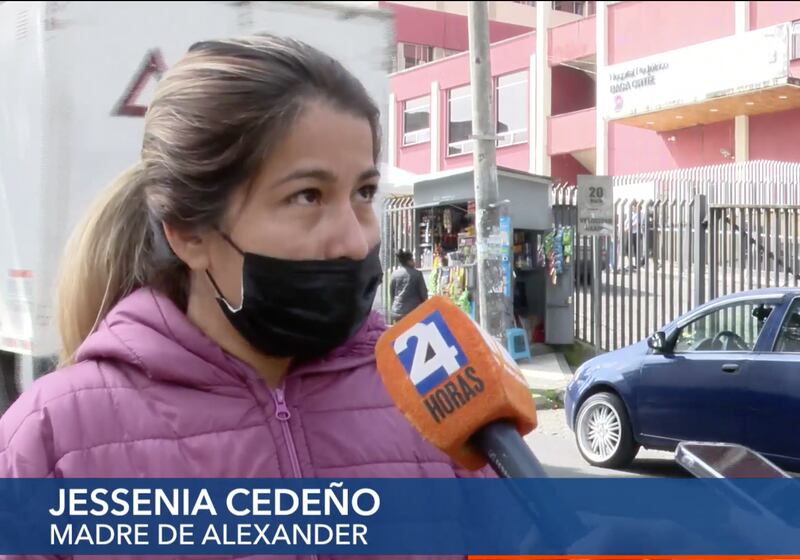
x=728 y=371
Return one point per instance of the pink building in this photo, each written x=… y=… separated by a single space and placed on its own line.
x=628 y=87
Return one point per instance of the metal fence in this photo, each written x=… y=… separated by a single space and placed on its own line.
x=747 y=183
x=702 y=233
x=753 y=247
x=648 y=269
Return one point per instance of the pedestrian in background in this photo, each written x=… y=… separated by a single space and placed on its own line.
x=633 y=234
x=407 y=289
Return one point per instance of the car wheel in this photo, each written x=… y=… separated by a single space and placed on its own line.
x=603 y=432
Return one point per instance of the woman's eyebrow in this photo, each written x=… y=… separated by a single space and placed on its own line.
x=306 y=173
x=322 y=175
x=371 y=173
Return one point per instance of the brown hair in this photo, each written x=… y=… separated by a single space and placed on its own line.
x=214 y=118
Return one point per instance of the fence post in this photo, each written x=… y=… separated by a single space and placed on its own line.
x=596 y=313
x=699 y=250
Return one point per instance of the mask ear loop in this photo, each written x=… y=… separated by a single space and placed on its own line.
x=220 y=296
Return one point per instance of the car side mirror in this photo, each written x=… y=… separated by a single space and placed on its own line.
x=657 y=341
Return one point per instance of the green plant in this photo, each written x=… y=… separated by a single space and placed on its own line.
x=577 y=353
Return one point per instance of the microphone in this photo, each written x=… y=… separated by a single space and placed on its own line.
x=464 y=393
x=460 y=389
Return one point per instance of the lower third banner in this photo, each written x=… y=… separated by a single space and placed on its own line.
x=402 y=517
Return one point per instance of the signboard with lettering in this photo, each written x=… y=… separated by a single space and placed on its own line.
x=595 y=205
x=728 y=66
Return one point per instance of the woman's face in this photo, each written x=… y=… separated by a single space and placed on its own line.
x=312 y=199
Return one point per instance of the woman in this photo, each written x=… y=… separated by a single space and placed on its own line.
x=215 y=306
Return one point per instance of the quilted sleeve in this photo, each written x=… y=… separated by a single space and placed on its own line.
x=26 y=442
x=26 y=448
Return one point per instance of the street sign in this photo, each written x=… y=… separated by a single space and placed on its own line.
x=595 y=205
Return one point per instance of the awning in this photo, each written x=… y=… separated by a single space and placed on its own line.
x=396 y=181
x=775 y=99
x=527 y=195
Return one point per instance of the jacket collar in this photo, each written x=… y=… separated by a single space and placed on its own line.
x=146 y=329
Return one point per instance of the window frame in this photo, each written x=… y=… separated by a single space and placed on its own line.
x=496 y=106
x=418 y=48
x=588 y=7
x=775 y=300
x=773 y=349
x=469 y=143
x=420 y=138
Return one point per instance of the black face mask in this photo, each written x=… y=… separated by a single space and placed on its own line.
x=302 y=309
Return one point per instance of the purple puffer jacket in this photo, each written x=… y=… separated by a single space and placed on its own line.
x=152 y=396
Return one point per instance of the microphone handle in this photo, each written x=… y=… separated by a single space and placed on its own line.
x=507 y=452
x=558 y=525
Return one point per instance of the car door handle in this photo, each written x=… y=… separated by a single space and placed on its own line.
x=730 y=368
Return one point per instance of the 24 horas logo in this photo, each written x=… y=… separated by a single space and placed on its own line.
x=437 y=366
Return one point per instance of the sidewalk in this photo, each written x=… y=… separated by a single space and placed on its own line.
x=547 y=372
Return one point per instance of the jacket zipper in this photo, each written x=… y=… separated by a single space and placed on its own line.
x=283 y=414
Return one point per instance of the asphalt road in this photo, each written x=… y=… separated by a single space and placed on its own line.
x=554 y=445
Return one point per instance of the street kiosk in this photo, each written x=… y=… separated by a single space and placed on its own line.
x=439 y=228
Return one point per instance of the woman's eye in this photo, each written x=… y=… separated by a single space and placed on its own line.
x=367 y=194
x=308 y=197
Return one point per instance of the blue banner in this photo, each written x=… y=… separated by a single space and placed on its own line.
x=367 y=516
x=507 y=235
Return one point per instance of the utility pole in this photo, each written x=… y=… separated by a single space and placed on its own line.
x=492 y=299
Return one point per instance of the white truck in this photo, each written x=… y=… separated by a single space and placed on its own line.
x=75 y=79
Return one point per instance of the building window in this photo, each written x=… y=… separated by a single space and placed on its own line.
x=580 y=8
x=417 y=121
x=526 y=3
x=512 y=109
x=794 y=40
x=459 y=121
x=415 y=55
